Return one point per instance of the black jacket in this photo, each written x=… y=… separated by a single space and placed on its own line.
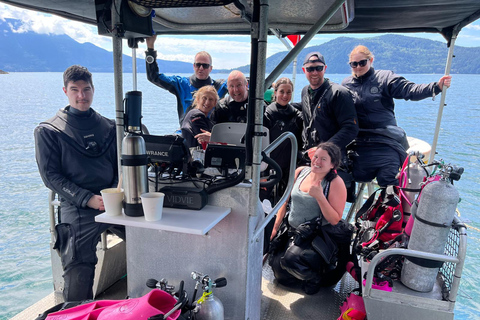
x=279 y=119
x=328 y=115
x=373 y=95
x=192 y=123
x=229 y=110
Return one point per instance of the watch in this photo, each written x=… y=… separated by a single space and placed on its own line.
x=149 y=59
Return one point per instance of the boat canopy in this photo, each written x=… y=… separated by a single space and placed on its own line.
x=284 y=16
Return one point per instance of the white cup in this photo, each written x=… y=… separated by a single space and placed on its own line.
x=113 y=201
x=152 y=203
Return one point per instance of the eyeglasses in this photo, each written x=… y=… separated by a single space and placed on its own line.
x=204 y=65
x=361 y=63
x=316 y=68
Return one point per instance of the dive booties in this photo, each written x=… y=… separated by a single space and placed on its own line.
x=155 y=302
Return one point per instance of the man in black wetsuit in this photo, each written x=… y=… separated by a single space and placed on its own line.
x=77 y=157
x=183 y=88
x=328 y=114
x=233 y=108
x=327 y=108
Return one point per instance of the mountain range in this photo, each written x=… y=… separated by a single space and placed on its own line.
x=33 y=52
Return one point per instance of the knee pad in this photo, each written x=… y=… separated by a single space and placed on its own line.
x=78 y=282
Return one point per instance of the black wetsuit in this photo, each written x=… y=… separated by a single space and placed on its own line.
x=328 y=115
x=229 y=110
x=279 y=119
x=192 y=123
x=380 y=147
x=77 y=157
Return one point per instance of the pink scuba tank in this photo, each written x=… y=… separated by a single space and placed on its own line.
x=155 y=302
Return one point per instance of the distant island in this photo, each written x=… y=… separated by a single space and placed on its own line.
x=3 y=72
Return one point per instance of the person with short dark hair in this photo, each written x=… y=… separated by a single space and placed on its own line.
x=76 y=154
x=182 y=87
x=380 y=147
x=327 y=108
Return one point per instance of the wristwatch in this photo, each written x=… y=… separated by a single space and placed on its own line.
x=149 y=59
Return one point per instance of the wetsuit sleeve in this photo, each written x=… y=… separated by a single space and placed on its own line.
x=344 y=112
x=170 y=83
x=220 y=114
x=401 y=88
x=48 y=154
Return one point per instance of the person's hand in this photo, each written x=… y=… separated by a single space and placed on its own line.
x=96 y=202
x=151 y=41
x=316 y=190
x=203 y=137
x=444 y=81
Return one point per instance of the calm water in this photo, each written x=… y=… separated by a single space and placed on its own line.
x=29 y=98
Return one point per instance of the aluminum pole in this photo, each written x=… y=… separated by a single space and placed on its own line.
x=134 y=68
x=118 y=80
x=442 y=98
x=303 y=42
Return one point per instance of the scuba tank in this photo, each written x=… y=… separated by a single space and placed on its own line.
x=433 y=220
x=411 y=178
x=208 y=306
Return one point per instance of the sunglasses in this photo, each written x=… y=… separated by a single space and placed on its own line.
x=361 y=63
x=204 y=65
x=316 y=68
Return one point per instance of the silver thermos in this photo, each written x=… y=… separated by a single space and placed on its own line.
x=134 y=157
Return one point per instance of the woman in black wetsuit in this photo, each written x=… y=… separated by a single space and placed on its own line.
x=380 y=147
x=196 y=120
x=279 y=117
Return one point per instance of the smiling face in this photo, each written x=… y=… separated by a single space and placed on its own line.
x=321 y=162
x=202 y=65
x=237 y=86
x=207 y=102
x=80 y=94
x=283 y=94
x=360 y=64
x=314 y=77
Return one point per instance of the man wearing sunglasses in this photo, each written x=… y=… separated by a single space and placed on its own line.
x=327 y=108
x=182 y=87
x=379 y=137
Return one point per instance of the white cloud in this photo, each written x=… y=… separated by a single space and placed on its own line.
x=473 y=27
x=228 y=51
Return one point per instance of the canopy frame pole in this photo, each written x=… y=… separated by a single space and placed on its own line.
x=289 y=47
x=303 y=42
x=442 y=98
x=118 y=80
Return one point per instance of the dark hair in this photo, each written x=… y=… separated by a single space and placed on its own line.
x=335 y=157
x=76 y=73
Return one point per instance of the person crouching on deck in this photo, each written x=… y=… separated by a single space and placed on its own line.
x=318 y=199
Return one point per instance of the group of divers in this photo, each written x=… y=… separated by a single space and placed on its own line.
x=339 y=128
x=77 y=156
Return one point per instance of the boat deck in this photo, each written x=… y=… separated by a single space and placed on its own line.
x=278 y=302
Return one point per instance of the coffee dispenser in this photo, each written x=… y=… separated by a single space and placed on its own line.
x=134 y=156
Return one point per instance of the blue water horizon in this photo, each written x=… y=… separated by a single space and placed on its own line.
x=30 y=98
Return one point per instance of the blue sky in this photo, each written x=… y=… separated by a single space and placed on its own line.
x=181 y=48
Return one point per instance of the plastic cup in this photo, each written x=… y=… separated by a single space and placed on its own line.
x=152 y=203
x=113 y=201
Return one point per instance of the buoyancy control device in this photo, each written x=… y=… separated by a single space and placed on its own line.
x=134 y=156
x=433 y=220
